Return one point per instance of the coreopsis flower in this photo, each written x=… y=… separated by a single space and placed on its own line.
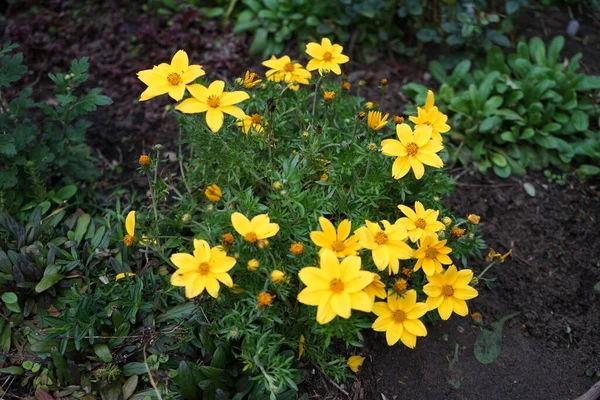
x=400 y=286
x=407 y=272
x=297 y=248
x=457 y=232
x=203 y=269
x=253 y=265
x=430 y=115
x=387 y=245
x=371 y=147
x=376 y=289
x=492 y=255
x=249 y=80
x=328 y=96
x=431 y=254
x=383 y=81
x=474 y=219
x=264 y=299
x=413 y=150
x=335 y=288
x=346 y=86
x=360 y=115
x=398 y=119
x=355 y=362
x=129 y=239
x=227 y=239
x=448 y=291
x=123 y=275
x=283 y=69
x=399 y=319
x=375 y=121
x=325 y=57
x=251 y=122
x=215 y=102
x=277 y=276
x=213 y=193
x=420 y=222
x=170 y=78
x=340 y=242
x=447 y=221
x=369 y=105
x=144 y=161
x=259 y=228
x=324 y=177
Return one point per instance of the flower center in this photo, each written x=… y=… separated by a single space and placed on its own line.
x=420 y=223
x=428 y=123
x=289 y=67
x=327 y=56
x=174 y=79
x=447 y=290
x=412 y=149
x=336 y=286
x=399 y=316
x=256 y=118
x=204 y=268
x=381 y=237
x=431 y=253
x=213 y=101
x=250 y=237
x=338 y=245
x=128 y=240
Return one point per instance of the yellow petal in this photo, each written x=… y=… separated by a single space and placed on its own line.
x=422 y=135
x=193 y=72
x=400 y=167
x=361 y=301
x=240 y=223
x=177 y=92
x=184 y=261
x=393 y=148
x=415 y=327
x=430 y=100
x=130 y=223
x=192 y=106
x=224 y=278
x=314 y=278
x=465 y=293
x=313 y=297
x=445 y=309
x=330 y=265
x=417 y=311
x=151 y=77
x=393 y=333
x=381 y=257
x=231 y=98
x=344 y=229
x=434 y=302
x=314 y=64
x=382 y=324
x=328 y=229
x=355 y=362
x=460 y=307
x=214 y=119
x=199 y=92
x=216 y=88
x=325 y=312
x=180 y=62
x=212 y=286
x=341 y=304
x=201 y=251
x=408 y=339
x=417 y=167
x=154 y=91
x=314 y=50
x=320 y=239
x=196 y=287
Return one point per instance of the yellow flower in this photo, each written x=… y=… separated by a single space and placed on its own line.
x=249 y=80
x=420 y=222
x=297 y=248
x=492 y=255
x=335 y=288
x=474 y=219
x=227 y=239
x=346 y=85
x=325 y=57
x=144 y=160
x=413 y=150
x=251 y=122
x=328 y=96
x=277 y=276
x=324 y=177
x=375 y=121
x=369 y=105
x=203 y=269
x=283 y=69
x=431 y=254
x=457 y=232
x=399 y=319
x=213 y=193
x=339 y=242
x=375 y=289
x=123 y=275
x=387 y=245
x=431 y=116
x=360 y=115
x=214 y=101
x=447 y=221
x=448 y=291
x=398 y=119
x=400 y=285
x=264 y=299
x=171 y=79
x=301 y=346
x=259 y=228
x=407 y=272
x=129 y=239
x=253 y=264
x=355 y=362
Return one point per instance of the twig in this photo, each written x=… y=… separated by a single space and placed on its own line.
x=152 y=382
x=592 y=394
x=485 y=185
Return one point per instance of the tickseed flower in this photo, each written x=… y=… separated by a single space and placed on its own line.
x=263 y=244
x=355 y=362
x=328 y=96
x=431 y=254
x=260 y=227
x=277 y=276
x=340 y=242
x=375 y=121
x=369 y=105
x=430 y=115
x=249 y=80
x=324 y=177
x=372 y=147
x=251 y=122
x=376 y=289
x=447 y=221
x=400 y=285
x=335 y=288
x=129 y=239
x=420 y=222
x=277 y=185
x=476 y=316
x=169 y=78
x=492 y=255
x=407 y=272
x=144 y=161
x=383 y=82
x=283 y=69
x=360 y=115
x=399 y=319
x=387 y=245
x=346 y=85
x=414 y=149
x=448 y=291
x=297 y=248
x=325 y=57
x=457 y=232
x=227 y=239
x=474 y=219
x=214 y=101
x=202 y=270
x=213 y=193
x=398 y=119
x=264 y=299
x=253 y=265
x=123 y=275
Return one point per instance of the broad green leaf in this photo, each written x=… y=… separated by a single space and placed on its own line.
x=66 y=192
x=48 y=281
x=103 y=352
x=459 y=72
x=82 y=226
x=259 y=43
x=129 y=387
x=12 y=370
x=187 y=379
x=498 y=159
x=438 y=72
x=489 y=123
x=502 y=172
x=10 y=298
x=554 y=49
x=580 y=120
x=488 y=344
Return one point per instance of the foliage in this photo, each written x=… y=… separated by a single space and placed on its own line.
x=35 y=154
x=527 y=109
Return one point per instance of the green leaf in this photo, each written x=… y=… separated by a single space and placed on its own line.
x=10 y=298
x=438 y=72
x=528 y=133
x=580 y=120
x=489 y=123
x=502 y=172
x=12 y=69
x=134 y=368
x=426 y=35
x=488 y=344
x=12 y=370
x=66 y=192
x=177 y=312
x=103 y=352
x=7 y=145
x=589 y=82
x=554 y=49
x=459 y=72
x=187 y=379
x=259 y=43
x=48 y=281
x=492 y=104
x=495 y=59
x=498 y=159
x=585 y=171
x=82 y=226
x=129 y=387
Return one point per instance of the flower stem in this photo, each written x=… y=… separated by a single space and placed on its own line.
x=180 y=158
x=314 y=107
x=486 y=269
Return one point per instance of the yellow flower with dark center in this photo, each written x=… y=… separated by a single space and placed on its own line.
x=474 y=219
x=264 y=299
x=249 y=80
x=340 y=242
x=215 y=102
x=297 y=248
x=259 y=228
x=430 y=115
x=346 y=85
x=213 y=193
x=355 y=362
x=414 y=150
x=335 y=288
x=400 y=285
x=253 y=265
x=376 y=289
x=328 y=96
x=203 y=269
x=144 y=161
x=227 y=239
x=123 y=275
x=398 y=119
x=457 y=232
x=448 y=291
x=387 y=245
x=251 y=122
x=431 y=254
x=283 y=69
x=277 y=276
x=169 y=78
x=399 y=319
x=325 y=57
x=420 y=222
x=375 y=121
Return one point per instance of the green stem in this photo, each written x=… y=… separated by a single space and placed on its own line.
x=152 y=183
x=180 y=158
x=314 y=107
x=486 y=269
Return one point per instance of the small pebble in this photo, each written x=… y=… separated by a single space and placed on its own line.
x=573 y=27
